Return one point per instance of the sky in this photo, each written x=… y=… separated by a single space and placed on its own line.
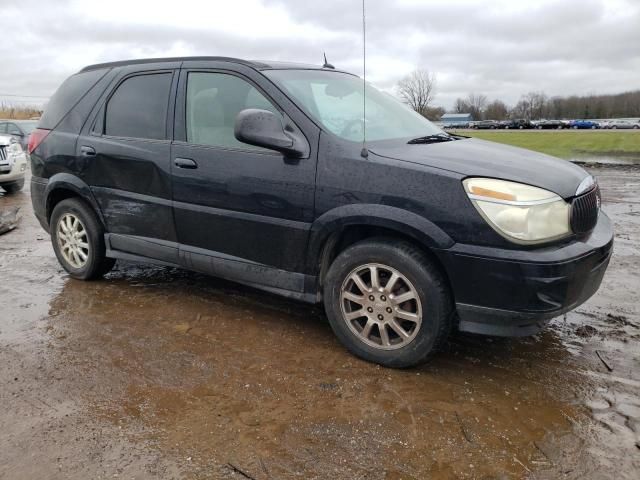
x=500 y=48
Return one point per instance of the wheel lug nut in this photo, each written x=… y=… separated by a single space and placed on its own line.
x=389 y=310
x=383 y=298
x=380 y=317
x=372 y=298
x=370 y=310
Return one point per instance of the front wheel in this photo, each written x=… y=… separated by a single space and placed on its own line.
x=78 y=240
x=388 y=303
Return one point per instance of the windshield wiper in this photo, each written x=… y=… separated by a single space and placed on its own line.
x=435 y=138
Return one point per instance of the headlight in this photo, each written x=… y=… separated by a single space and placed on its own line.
x=14 y=148
x=521 y=213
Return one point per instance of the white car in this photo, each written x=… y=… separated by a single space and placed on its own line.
x=13 y=164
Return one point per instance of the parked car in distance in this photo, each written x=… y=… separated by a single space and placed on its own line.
x=486 y=124
x=454 y=125
x=13 y=164
x=550 y=124
x=520 y=123
x=583 y=124
x=258 y=172
x=622 y=124
x=18 y=129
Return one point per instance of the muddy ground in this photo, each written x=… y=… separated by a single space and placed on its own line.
x=161 y=373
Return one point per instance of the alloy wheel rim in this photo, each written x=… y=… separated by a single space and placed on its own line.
x=381 y=306
x=73 y=240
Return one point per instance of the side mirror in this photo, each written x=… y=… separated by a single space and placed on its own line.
x=263 y=128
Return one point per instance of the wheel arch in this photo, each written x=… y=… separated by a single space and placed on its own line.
x=337 y=229
x=64 y=185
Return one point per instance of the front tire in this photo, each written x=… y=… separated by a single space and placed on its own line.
x=78 y=240
x=388 y=303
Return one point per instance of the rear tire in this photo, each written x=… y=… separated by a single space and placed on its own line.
x=78 y=240
x=425 y=316
x=14 y=187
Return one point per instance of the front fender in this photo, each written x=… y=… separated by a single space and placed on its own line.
x=67 y=181
x=393 y=218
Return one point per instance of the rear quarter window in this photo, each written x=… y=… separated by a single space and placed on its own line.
x=68 y=95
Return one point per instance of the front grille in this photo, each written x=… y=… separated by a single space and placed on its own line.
x=5 y=165
x=584 y=211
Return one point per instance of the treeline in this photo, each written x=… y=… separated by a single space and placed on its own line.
x=8 y=111
x=537 y=105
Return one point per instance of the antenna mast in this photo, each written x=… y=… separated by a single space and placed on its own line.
x=364 y=153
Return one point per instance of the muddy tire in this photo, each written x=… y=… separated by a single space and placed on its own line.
x=388 y=303
x=78 y=240
x=14 y=187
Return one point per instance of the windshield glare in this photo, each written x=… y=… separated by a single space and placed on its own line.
x=334 y=99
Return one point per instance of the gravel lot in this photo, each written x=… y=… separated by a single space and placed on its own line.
x=160 y=373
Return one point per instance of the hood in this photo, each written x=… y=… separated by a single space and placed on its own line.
x=480 y=158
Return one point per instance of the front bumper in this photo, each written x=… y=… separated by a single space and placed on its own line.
x=516 y=292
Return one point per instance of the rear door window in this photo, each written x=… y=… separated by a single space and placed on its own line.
x=138 y=107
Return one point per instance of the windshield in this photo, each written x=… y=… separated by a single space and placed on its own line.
x=28 y=126
x=334 y=99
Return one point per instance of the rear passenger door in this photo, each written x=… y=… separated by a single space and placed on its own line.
x=241 y=211
x=125 y=157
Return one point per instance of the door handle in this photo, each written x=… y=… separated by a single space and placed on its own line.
x=185 y=163
x=87 y=151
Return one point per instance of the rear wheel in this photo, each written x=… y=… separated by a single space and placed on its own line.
x=78 y=240
x=13 y=187
x=387 y=303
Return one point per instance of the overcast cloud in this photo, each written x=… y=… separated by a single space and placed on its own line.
x=499 y=48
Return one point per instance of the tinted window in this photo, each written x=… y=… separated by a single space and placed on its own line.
x=3 y=128
x=66 y=97
x=138 y=108
x=13 y=129
x=213 y=102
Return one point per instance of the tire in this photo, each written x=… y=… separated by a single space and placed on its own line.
x=96 y=263
x=635 y=127
x=615 y=128
x=417 y=275
x=14 y=187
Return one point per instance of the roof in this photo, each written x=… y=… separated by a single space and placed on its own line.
x=257 y=64
x=453 y=116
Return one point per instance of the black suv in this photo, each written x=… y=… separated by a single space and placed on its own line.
x=259 y=172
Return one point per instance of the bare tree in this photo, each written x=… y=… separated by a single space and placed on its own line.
x=461 y=106
x=476 y=103
x=418 y=89
x=496 y=110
